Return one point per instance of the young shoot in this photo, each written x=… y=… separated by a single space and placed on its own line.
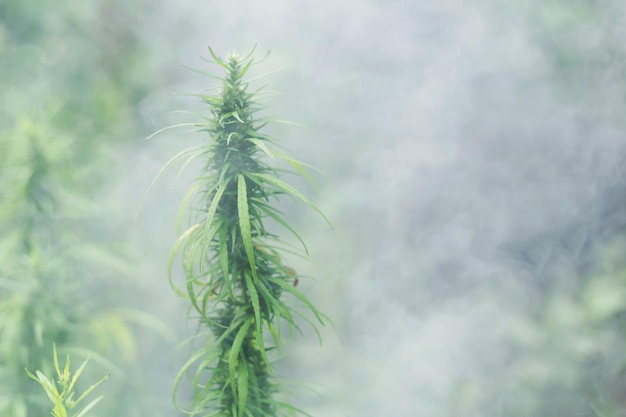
x=63 y=396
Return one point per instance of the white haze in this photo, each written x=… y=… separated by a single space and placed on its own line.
x=451 y=147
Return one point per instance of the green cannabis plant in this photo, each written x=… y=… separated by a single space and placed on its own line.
x=62 y=397
x=235 y=279
x=38 y=304
x=50 y=269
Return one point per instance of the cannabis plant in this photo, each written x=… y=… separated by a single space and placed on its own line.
x=235 y=279
x=37 y=290
x=50 y=269
x=62 y=397
x=64 y=272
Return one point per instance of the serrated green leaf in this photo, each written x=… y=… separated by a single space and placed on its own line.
x=244 y=222
x=208 y=230
x=233 y=357
x=175 y=249
x=290 y=289
x=262 y=146
x=254 y=298
x=242 y=386
x=270 y=212
x=291 y=191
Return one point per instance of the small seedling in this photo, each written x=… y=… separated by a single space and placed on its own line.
x=62 y=397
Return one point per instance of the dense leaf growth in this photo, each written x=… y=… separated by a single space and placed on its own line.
x=235 y=278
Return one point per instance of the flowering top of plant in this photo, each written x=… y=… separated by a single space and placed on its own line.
x=235 y=278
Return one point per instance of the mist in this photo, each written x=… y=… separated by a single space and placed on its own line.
x=473 y=155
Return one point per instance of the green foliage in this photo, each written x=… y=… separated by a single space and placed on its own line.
x=71 y=78
x=38 y=301
x=235 y=276
x=62 y=397
x=50 y=269
x=564 y=358
x=574 y=347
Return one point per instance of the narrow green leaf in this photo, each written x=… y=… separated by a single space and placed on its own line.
x=268 y=210
x=262 y=146
x=280 y=309
x=311 y=323
x=242 y=386
x=290 y=289
x=91 y=388
x=254 y=298
x=274 y=305
x=48 y=386
x=244 y=222
x=236 y=116
x=66 y=371
x=171 y=127
x=181 y=374
x=76 y=374
x=189 y=195
x=298 y=165
x=233 y=114
x=250 y=61
x=233 y=357
x=289 y=190
x=218 y=61
x=89 y=406
x=212 y=209
x=177 y=245
x=56 y=359
x=185 y=164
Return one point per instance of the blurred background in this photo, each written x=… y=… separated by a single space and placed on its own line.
x=475 y=157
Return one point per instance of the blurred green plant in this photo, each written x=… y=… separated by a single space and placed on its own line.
x=47 y=272
x=62 y=397
x=38 y=298
x=70 y=85
x=234 y=274
x=572 y=352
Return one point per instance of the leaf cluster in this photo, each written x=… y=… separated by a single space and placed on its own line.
x=62 y=397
